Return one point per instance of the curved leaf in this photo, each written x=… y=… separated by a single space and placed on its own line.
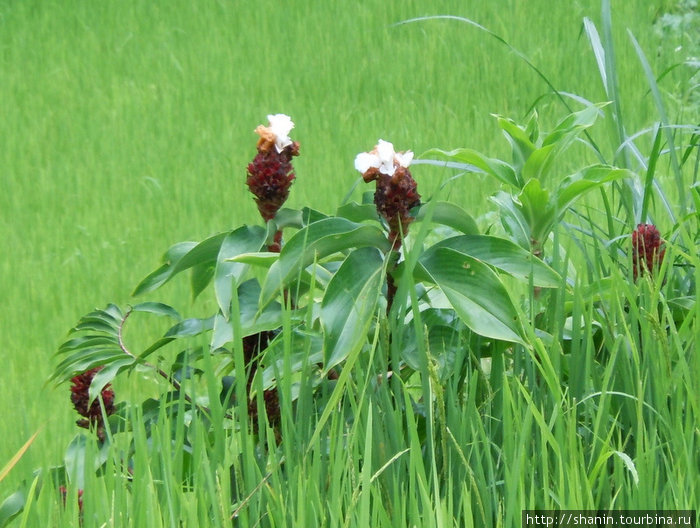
x=512 y=218
x=349 y=304
x=157 y=309
x=504 y=255
x=475 y=292
x=574 y=186
x=318 y=240
x=11 y=507
x=228 y=274
x=539 y=162
x=500 y=170
x=160 y=276
x=453 y=216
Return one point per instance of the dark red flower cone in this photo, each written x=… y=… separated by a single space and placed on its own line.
x=270 y=174
x=647 y=250
x=396 y=191
x=91 y=412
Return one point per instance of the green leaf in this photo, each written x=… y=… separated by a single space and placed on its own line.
x=512 y=219
x=453 y=216
x=84 y=360
x=160 y=276
x=475 y=292
x=495 y=167
x=88 y=341
x=107 y=374
x=201 y=276
x=504 y=255
x=228 y=274
x=538 y=210
x=356 y=212
x=350 y=303
x=557 y=141
x=263 y=259
x=74 y=461
x=11 y=507
x=576 y=185
x=316 y=241
x=289 y=218
x=191 y=327
x=522 y=146
x=204 y=252
x=157 y=309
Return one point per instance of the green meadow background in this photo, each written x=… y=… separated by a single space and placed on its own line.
x=127 y=125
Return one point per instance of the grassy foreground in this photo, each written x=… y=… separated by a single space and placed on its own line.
x=127 y=127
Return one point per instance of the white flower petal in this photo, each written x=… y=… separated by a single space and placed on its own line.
x=281 y=125
x=404 y=159
x=385 y=153
x=366 y=160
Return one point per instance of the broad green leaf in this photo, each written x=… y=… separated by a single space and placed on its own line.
x=11 y=507
x=495 y=167
x=576 y=185
x=191 y=327
x=540 y=161
x=349 y=304
x=204 y=252
x=157 y=309
x=108 y=373
x=475 y=292
x=538 y=210
x=453 y=216
x=573 y=124
x=200 y=277
x=253 y=319
x=160 y=276
x=512 y=219
x=356 y=212
x=289 y=218
x=228 y=274
x=316 y=241
x=74 y=461
x=523 y=147
x=504 y=255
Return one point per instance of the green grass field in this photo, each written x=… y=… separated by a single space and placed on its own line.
x=127 y=126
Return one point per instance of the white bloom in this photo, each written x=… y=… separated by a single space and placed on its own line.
x=281 y=125
x=404 y=159
x=365 y=161
x=384 y=158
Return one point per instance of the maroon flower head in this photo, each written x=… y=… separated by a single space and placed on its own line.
x=647 y=249
x=270 y=174
x=92 y=413
x=396 y=192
